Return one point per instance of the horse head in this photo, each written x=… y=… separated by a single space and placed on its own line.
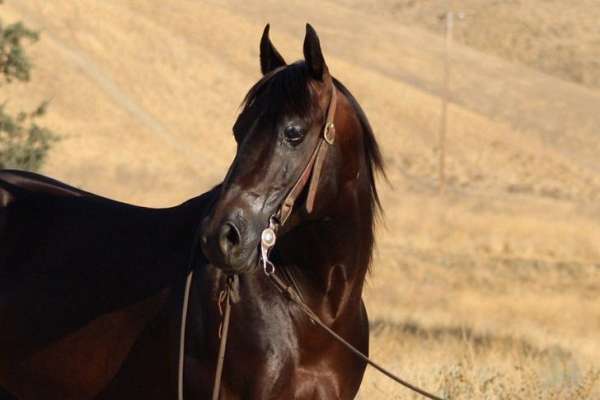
x=286 y=117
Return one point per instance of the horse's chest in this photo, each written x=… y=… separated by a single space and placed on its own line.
x=278 y=370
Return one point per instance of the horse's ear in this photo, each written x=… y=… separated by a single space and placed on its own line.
x=313 y=54
x=270 y=58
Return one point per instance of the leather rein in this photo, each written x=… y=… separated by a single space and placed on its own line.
x=311 y=171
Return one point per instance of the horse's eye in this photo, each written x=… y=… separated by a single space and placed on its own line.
x=294 y=134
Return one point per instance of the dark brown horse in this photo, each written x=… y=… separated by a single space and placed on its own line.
x=325 y=247
x=91 y=289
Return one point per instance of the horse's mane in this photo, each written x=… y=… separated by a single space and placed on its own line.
x=287 y=89
x=373 y=155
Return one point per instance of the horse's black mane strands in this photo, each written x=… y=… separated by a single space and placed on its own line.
x=288 y=90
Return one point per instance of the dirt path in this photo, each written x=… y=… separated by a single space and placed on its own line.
x=80 y=61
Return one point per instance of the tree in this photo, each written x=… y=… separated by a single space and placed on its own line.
x=23 y=143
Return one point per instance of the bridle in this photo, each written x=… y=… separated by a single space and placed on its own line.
x=269 y=238
x=312 y=171
x=313 y=167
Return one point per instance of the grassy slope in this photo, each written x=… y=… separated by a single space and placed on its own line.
x=554 y=36
x=497 y=278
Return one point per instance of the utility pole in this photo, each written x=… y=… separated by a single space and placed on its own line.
x=449 y=19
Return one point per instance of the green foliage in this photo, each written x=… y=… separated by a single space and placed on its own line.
x=14 y=63
x=23 y=143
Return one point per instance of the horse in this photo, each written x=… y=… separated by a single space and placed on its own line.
x=306 y=161
x=91 y=289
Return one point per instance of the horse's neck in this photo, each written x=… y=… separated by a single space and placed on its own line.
x=330 y=257
x=328 y=260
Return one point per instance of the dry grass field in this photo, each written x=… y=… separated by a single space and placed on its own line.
x=558 y=37
x=487 y=291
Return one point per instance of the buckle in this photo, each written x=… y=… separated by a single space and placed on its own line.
x=268 y=238
x=329 y=133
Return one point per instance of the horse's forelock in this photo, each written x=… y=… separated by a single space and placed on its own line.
x=284 y=89
x=287 y=89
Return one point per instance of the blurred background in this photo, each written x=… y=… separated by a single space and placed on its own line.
x=486 y=279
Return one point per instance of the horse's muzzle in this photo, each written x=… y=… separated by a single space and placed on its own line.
x=229 y=245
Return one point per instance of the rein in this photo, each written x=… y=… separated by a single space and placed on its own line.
x=269 y=237
x=312 y=171
x=292 y=295
x=224 y=297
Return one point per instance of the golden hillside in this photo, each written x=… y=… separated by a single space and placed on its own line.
x=489 y=289
x=554 y=36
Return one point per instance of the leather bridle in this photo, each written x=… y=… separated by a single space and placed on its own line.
x=269 y=237
x=312 y=171
x=313 y=167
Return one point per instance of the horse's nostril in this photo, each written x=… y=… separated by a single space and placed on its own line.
x=229 y=238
